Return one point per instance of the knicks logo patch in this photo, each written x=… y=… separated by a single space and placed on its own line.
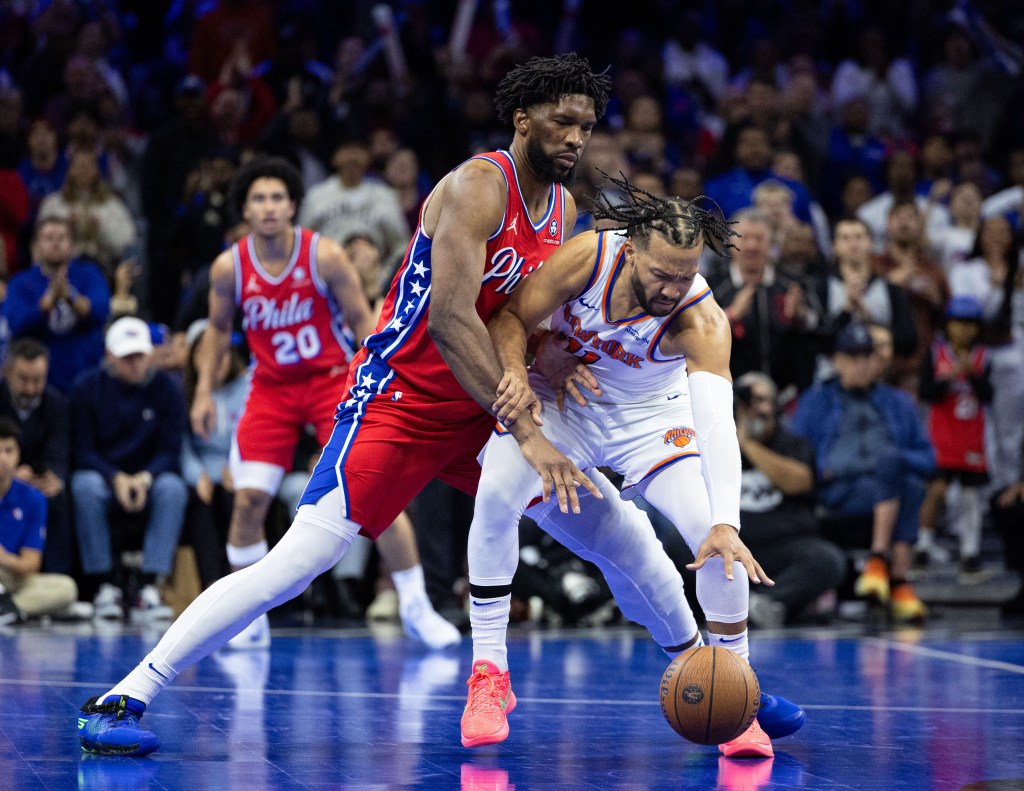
x=680 y=437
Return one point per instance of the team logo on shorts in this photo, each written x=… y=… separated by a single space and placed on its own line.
x=553 y=227
x=680 y=437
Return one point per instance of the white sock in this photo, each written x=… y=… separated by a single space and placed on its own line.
x=242 y=557
x=145 y=681
x=671 y=654
x=309 y=547
x=737 y=643
x=410 y=585
x=489 y=619
x=969 y=521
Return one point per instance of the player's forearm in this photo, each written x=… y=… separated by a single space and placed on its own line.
x=212 y=349
x=508 y=336
x=466 y=348
x=711 y=399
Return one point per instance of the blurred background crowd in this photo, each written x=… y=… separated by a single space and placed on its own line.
x=870 y=153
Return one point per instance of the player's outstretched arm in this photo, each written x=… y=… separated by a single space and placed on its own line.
x=215 y=343
x=468 y=205
x=343 y=280
x=703 y=335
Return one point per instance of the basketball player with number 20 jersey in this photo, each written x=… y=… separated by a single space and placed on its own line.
x=300 y=301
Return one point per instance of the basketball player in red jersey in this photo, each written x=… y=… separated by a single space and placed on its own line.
x=421 y=403
x=301 y=300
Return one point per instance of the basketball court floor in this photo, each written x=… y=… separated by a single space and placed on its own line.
x=335 y=709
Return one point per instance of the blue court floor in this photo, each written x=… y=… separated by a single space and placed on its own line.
x=936 y=709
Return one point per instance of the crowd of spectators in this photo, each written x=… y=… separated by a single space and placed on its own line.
x=870 y=154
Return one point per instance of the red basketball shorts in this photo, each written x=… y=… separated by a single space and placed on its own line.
x=274 y=418
x=387 y=446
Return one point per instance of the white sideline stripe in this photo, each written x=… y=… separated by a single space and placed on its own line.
x=462 y=698
x=935 y=653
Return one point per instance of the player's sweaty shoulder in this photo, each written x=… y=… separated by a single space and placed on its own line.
x=576 y=259
x=474 y=193
x=701 y=331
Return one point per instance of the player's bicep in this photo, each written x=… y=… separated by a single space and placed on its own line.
x=473 y=205
x=562 y=277
x=344 y=282
x=705 y=338
x=222 y=292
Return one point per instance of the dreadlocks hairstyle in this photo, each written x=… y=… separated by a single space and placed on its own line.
x=265 y=168
x=683 y=222
x=544 y=80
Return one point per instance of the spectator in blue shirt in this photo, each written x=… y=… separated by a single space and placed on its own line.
x=734 y=190
x=872 y=455
x=60 y=301
x=24 y=592
x=128 y=421
x=43 y=416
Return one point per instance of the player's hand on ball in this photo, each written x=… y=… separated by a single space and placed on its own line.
x=557 y=473
x=724 y=542
x=514 y=396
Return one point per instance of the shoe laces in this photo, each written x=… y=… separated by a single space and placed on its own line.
x=122 y=716
x=483 y=692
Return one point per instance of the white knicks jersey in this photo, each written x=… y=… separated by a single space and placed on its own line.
x=623 y=354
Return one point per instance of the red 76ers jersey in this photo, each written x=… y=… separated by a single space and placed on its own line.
x=401 y=348
x=293 y=325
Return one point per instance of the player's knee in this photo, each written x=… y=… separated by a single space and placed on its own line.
x=252 y=504
x=495 y=503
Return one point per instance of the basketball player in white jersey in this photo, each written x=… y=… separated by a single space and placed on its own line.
x=636 y=311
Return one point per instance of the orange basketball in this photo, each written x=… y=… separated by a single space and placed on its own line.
x=709 y=695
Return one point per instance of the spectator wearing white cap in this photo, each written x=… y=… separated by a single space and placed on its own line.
x=128 y=421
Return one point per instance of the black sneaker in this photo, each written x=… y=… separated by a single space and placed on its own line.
x=971 y=572
x=9 y=612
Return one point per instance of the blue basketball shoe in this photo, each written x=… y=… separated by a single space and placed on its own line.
x=112 y=727
x=779 y=717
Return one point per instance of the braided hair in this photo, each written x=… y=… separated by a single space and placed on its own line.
x=683 y=222
x=545 y=80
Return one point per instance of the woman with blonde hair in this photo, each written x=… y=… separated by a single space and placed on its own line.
x=102 y=226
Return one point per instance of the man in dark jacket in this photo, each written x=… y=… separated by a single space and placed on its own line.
x=128 y=422
x=768 y=312
x=872 y=454
x=777 y=508
x=41 y=413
